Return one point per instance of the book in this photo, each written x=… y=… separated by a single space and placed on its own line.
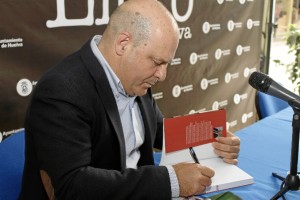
x=199 y=131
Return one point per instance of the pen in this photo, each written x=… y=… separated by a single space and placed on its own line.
x=193 y=154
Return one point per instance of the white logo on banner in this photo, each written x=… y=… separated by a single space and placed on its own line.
x=240 y=49
x=194 y=57
x=11 y=43
x=158 y=95
x=251 y=23
x=237 y=98
x=229 y=77
x=231 y=124
x=206 y=27
x=248 y=71
x=205 y=83
x=231 y=25
x=24 y=87
x=217 y=105
x=219 y=53
x=176 y=91
x=176 y=61
x=246 y=116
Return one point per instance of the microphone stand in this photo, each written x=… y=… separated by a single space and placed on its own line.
x=292 y=181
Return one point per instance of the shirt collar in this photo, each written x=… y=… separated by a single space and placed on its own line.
x=114 y=81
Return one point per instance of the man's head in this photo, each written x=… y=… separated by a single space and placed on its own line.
x=140 y=41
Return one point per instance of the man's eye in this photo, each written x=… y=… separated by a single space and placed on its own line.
x=156 y=63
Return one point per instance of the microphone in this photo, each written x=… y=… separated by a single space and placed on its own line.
x=265 y=84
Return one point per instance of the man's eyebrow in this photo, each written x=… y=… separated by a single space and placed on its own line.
x=161 y=60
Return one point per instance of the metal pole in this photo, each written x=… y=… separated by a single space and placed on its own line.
x=269 y=36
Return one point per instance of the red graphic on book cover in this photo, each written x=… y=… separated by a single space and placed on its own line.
x=193 y=130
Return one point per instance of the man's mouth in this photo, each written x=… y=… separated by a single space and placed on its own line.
x=154 y=82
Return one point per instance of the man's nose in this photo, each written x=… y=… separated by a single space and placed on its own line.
x=161 y=72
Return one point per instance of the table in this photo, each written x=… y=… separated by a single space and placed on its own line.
x=265 y=148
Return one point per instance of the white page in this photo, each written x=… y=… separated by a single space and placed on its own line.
x=226 y=175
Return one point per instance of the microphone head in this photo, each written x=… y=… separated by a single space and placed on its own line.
x=260 y=81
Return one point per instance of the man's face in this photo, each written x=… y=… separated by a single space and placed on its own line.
x=144 y=65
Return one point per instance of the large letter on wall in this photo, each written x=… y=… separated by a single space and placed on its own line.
x=62 y=21
x=184 y=17
x=105 y=10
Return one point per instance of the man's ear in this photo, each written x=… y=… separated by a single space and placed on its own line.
x=121 y=42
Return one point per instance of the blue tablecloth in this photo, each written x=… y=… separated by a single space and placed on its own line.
x=265 y=148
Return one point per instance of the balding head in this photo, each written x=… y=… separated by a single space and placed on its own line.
x=140 y=18
x=139 y=42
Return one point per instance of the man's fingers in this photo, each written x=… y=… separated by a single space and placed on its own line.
x=229 y=140
x=228 y=155
x=230 y=161
x=206 y=171
x=193 y=178
x=226 y=147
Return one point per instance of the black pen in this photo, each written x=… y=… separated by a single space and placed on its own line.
x=193 y=154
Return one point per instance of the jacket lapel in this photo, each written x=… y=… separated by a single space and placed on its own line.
x=105 y=94
x=149 y=125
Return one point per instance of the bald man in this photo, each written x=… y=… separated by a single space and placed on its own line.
x=92 y=123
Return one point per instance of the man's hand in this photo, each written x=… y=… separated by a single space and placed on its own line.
x=228 y=147
x=193 y=178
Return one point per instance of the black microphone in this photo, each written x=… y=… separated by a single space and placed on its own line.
x=265 y=84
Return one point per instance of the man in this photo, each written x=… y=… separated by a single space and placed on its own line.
x=92 y=123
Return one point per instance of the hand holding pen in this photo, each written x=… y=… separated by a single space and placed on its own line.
x=193 y=178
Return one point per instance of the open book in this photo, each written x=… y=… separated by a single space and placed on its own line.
x=199 y=131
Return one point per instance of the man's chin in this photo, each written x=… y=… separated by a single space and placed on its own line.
x=141 y=92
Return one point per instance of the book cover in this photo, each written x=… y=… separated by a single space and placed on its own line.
x=193 y=130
